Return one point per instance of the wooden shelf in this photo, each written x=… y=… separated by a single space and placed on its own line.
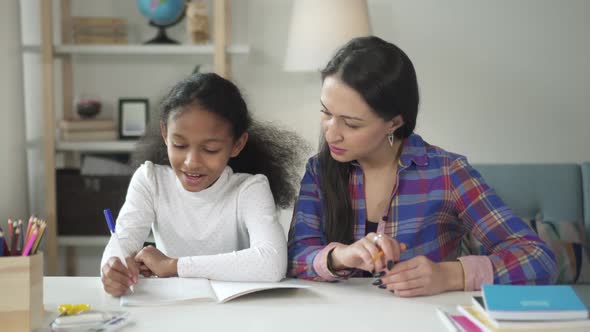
x=138 y=49
x=82 y=240
x=88 y=240
x=49 y=51
x=96 y=146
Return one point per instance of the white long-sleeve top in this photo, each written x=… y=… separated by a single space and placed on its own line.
x=228 y=231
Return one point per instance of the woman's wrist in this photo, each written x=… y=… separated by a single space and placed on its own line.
x=334 y=262
x=333 y=271
x=454 y=275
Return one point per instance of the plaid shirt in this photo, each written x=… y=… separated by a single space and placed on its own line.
x=439 y=199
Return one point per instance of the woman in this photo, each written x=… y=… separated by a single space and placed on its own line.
x=377 y=198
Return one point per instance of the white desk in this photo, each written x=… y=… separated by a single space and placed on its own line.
x=354 y=305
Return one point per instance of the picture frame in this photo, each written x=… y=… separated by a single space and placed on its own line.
x=133 y=117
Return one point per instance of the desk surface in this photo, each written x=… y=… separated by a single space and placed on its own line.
x=354 y=305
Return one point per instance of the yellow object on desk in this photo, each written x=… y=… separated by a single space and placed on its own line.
x=72 y=309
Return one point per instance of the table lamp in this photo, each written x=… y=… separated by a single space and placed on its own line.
x=319 y=28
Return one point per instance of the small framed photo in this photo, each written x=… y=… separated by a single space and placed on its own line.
x=133 y=117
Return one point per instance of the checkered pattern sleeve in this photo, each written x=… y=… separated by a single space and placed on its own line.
x=517 y=254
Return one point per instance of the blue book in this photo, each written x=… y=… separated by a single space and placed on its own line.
x=512 y=302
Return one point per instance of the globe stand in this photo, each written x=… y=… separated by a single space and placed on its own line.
x=161 y=37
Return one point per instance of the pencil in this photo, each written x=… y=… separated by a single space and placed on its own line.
x=30 y=224
x=14 y=242
x=9 y=228
x=29 y=245
x=1 y=243
x=36 y=222
x=42 y=226
x=4 y=244
x=20 y=245
x=14 y=226
x=378 y=255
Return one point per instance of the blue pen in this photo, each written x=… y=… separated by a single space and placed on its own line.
x=109 y=217
x=115 y=239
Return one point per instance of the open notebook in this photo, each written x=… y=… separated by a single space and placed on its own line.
x=160 y=291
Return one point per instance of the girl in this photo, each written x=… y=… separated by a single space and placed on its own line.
x=210 y=218
x=377 y=193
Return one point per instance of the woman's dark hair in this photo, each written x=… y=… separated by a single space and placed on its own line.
x=385 y=77
x=274 y=152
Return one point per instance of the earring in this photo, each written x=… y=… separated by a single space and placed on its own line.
x=391 y=139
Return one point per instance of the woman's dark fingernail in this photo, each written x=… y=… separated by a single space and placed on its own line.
x=377 y=282
x=379 y=274
x=389 y=265
x=382 y=286
x=392 y=291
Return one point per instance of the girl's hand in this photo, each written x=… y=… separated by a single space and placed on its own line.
x=373 y=253
x=116 y=278
x=420 y=276
x=156 y=263
x=145 y=271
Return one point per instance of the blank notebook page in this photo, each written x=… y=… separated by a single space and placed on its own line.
x=226 y=290
x=158 y=291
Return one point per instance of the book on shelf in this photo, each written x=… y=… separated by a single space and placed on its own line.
x=92 y=165
x=84 y=21
x=77 y=39
x=528 y=302
x=89 y=124
x=161 y=291
x=482 y=320
x=89 y=135
x=98 y=30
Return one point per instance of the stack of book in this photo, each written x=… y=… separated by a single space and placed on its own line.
x=88 y=130
x=522 y=308
x=99 y=30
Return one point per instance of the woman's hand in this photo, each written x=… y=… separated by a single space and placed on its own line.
x=116 y=278
x=153 y=261
x=421 y=276
x=372 y=253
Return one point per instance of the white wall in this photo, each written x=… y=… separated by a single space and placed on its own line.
x=501 y=81
x=513 y=72
x=13 y=180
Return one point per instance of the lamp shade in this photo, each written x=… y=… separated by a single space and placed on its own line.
x=319 y=27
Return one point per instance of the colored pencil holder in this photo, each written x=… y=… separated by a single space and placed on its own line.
x=21 y=293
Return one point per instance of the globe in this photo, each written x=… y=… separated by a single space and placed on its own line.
x=162 y=14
